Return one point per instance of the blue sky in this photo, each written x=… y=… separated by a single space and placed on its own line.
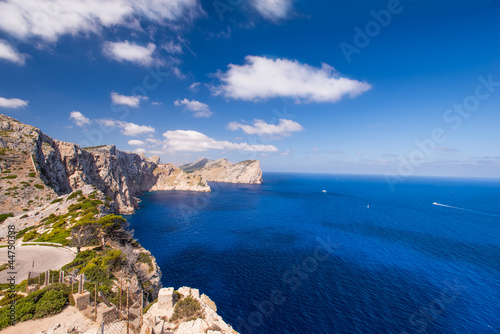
x=399 y=88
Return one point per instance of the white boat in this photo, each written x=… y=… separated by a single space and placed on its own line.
x=324 y=191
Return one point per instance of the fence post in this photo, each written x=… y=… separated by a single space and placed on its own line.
x=142 y=306
x=128 y=314
x=102 y=327
x=95 y=302
x=28 y=281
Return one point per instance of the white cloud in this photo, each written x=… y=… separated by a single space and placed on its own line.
x=128 y=129
x=8 y=53
x=263 y=78
x=198 y=108
x=286 y=153
x=79 y=119
x=193 y=141
x=153 y=140
x=172 y=47
x=12 y=103
x=50 y=19
x=285 y=127
x=272 y=9
x=131 y=52
x=156 y=103
x=194 y=87
x=131 y=101
x=135 y=142
x=140 y=150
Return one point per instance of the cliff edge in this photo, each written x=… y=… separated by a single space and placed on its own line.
x=36 y=169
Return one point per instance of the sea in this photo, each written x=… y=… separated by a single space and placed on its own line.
x=311 y=253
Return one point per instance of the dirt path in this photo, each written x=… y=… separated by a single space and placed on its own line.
x=44 y=257
x=70 y=318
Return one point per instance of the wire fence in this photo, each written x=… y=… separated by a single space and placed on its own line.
x=122 y=315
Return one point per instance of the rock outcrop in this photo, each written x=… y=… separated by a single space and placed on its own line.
x=46 y=168
x=222 y=170
x=163 y=316
x=170 y=177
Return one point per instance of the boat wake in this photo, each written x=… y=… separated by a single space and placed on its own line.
x=469 y=210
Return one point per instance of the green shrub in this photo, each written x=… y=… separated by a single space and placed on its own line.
x=74 y=194
x=32 y=174
x=38 y=304
x=145 y=258
x=23 y=232
x=39 y=186
x=57 y=235
x=30 y=236
x=6 y=171
x=9 y=177
x=57 y=200
x=4 y=216
x=187 y=309
x=24 y=216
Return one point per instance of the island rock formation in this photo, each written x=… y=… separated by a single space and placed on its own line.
x=222 y=170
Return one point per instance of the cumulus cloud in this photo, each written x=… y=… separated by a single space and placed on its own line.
x=285 y=127
x=79 y=119
x=140 y=150
x=193 y=141
x=262 y=78
x=12 y=103
x=131 y=101
x=198 y=108
x=135 y=142
x=51 y=19
x=127 y=129
x=131 y=52
x=272 y=9
x=8 y=53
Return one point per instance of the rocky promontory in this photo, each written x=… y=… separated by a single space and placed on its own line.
x=36 y=169
x=222 y=170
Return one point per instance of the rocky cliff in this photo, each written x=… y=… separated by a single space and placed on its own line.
x=222 y=170
x=36 y=169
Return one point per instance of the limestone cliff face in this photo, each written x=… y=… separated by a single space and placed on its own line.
x=222 y=170
x=51 y=168
x=170 y=177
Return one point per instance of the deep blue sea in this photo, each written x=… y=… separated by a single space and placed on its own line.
x=286 y=257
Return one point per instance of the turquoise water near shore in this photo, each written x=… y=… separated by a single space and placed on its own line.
x=286 y=257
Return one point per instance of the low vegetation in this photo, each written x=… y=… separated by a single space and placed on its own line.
x=4 y=216
x=38 y=304
x=187 y=309
x=105 y=251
